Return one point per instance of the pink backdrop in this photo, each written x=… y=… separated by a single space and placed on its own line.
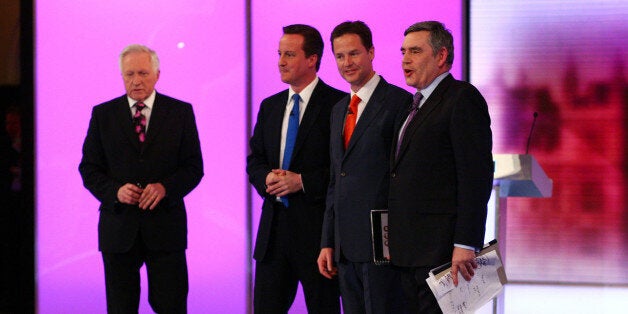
x=387 y=21
x=201 y=45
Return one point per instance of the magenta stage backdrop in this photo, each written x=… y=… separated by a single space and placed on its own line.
x=202 y=49
x=387 y=21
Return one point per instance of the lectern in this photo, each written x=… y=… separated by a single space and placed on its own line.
x=516 y=175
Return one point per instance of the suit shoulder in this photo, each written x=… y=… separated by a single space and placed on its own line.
x=279 y=97
x=464 y=87
x=332 y=92
x=110 y=104
x=398 y=91
x=167 y=99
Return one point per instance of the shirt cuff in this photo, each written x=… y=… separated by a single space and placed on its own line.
x=466 y=247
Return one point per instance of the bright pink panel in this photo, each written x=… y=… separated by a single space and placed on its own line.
x=386 y=19
x=200 y=44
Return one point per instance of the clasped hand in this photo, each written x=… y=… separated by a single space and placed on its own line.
x=146 y=198
x=281 y=182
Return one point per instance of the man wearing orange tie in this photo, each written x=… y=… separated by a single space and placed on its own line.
x=360 y=144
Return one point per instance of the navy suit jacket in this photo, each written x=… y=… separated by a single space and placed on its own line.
x=359 y=174
x=310 y=158
x=113 y=156
x=442 y=178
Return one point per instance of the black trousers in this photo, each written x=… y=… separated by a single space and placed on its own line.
x=284 y=265
x=419 y=297
x=167 y=276
x=369 y=288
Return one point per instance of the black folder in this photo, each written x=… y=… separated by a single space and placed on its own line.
x=379 y=234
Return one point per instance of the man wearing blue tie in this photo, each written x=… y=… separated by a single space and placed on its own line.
x=289 y=167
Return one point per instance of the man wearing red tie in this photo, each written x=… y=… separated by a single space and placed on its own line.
x=360 y=144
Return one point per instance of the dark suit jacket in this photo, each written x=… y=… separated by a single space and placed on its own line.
x=310 y=158
x=442 y=179
x=112 y=157
x=359 y=175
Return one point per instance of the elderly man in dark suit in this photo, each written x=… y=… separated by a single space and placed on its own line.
x=361 y=136
x=441 y=170
x=289 y=167
x=141 y=156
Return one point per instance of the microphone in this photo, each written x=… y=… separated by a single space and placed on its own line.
x=536 y=114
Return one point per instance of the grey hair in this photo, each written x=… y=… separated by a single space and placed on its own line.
x=154 y=59
x=440 y=37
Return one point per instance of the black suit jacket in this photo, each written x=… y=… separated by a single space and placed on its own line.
x=442 y=178
x=113 y=156
x=310 y=158
x=359 y=175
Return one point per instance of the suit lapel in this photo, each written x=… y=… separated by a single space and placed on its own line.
x=309 y=117
x=430 y=104
x=158 y=114
x=125 y=119
x=371 y=111
x=339 y=115
x=275 y=121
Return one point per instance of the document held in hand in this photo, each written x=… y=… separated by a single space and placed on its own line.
x=469 y=296
x=379 y=234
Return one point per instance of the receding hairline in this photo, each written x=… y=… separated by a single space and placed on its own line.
x=137 y=48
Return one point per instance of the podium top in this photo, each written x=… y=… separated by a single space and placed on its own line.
x=520 y=175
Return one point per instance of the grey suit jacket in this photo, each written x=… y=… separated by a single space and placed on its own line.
x=359 y=174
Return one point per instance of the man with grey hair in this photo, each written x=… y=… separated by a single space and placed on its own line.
x=441 y=169
x=141 y=156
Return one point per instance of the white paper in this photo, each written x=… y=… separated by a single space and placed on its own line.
x=469 y=295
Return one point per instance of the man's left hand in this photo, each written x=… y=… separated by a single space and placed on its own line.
x=289 y=182
x=151 y=196
x=463 y=260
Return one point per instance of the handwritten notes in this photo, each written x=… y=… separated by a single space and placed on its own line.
x=469 y=296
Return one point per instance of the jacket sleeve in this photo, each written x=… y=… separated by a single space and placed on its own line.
x=189 y=171
x=93 y=166
x=257 y=163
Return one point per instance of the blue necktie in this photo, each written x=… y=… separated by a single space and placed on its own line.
x=291 y=137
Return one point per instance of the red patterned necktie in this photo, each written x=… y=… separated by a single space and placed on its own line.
x=139 y=121
x=352 y=116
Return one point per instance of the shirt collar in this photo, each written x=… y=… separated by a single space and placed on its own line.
x=366 y=91
x=148 y=101
x=426 y=92
x=305 y=93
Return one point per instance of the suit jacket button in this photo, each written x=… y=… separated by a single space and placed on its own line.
x=343 y=174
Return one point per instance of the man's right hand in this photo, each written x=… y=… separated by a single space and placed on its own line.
x=326 y=263
x=129 y=194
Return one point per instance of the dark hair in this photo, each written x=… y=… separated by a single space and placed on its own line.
x=440 y=37
x=356 y=27
x=312 y=40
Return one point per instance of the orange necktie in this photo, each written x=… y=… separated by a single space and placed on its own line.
x=352 y=115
